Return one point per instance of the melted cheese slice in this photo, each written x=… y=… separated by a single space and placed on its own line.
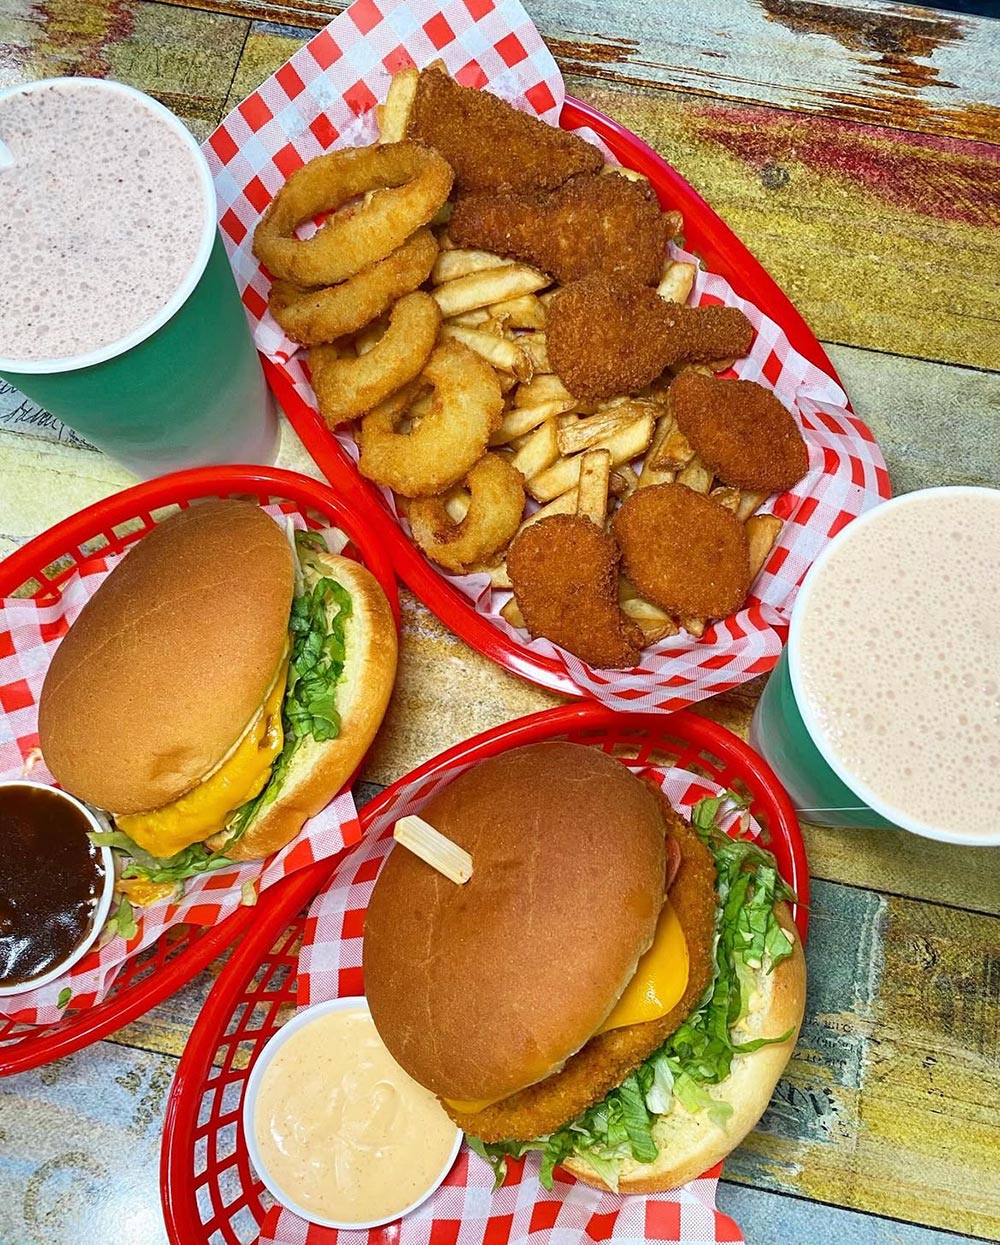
x=203 y=810
x=660 y=980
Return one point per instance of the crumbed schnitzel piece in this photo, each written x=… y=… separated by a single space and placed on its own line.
x=740 y=430
x=564 y=570
x=594 y=223
x=683 y=551
x=607 y=1059
x=490 y=144
x=610 y=335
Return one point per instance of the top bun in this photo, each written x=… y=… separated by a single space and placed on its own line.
x=168 y=662
x=482 y=989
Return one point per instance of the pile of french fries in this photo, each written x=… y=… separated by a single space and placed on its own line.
x=576 y=458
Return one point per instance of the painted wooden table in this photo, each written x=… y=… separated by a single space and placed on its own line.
x=854 y=148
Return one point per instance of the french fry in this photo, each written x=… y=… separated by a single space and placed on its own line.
x=521 y=420
x=720 y=365
x=693 y=626
x=507 y=381
x=511 y=613
x=545 y=388
x=762 y=531
x=655 y=624
x=368 y=338
x=673 y=453
x=749 y=502
x=497 y=573
x=592 y=491
x=565 y=504
x=625 y=444
x=632 y=174
x=540 y=450
x=677 y=281
x=501 y=353
x=395 y=112
x=728 y=498
x=584 y=434
x=533 y=345
x=471 y=319
x=623 y=482
x=524 y=312
x=649 y=472
x=457 y=506
x=450 y=265
x=696 y=476
x=482 y=289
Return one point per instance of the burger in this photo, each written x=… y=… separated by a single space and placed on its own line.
x=217 y=691
x=614 y=988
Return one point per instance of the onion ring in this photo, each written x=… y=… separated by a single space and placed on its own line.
x=494 y=515
x=410 y=182
x=315 y=316
x=346 y=387
x=467 y=406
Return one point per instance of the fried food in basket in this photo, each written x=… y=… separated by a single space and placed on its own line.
x=594 y=223
x=683 y=551
x=741 y=431
x=410 y=183
x=495 y=505
x=326 y=314
x=490 y=145
x=565 y=575
x=442 y=446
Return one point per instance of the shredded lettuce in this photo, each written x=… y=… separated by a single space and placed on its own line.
x=701 y=1051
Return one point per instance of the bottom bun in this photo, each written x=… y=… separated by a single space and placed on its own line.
x=319 y=770
x=691 y=1144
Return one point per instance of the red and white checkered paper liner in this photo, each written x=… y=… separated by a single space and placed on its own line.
x=29 y=635
x=324 y=98
x=465 y=1211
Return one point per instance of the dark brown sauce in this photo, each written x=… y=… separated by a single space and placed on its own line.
x=51 y=878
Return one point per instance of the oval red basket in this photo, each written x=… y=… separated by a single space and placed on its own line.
x=37 y=570
x=722 y=253
x=209 y=1191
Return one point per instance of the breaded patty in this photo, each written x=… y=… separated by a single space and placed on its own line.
x=564 y=571
x=491 y=145
x=605 y=336
x=607 y=1059
x=683 y=551
x=740 y=430
x=594 y=223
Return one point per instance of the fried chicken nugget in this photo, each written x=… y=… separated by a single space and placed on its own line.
x=683 y=551
x=740 y=430
x=490 y=144
x=599 y=223
x=607 y=1059
x=610 y=335
x=564 y=571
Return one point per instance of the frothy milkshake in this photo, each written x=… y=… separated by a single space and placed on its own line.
x=895 y=659
x=102 y=211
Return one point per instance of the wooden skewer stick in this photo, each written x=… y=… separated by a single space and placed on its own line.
x=420 y=837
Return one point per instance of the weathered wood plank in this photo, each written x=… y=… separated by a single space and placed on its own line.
x=859 y=60
x=185 y=57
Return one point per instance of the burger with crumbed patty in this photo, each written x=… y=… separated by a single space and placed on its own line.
x=614 y=987
x=217 y=691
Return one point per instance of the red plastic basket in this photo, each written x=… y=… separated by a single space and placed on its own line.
x=722 y=252
x=38 y=569
x=210 y=1193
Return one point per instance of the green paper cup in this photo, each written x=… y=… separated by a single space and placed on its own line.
x=934 y=693
x=184 y=388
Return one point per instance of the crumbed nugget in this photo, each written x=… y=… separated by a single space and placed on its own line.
x=683 y=551
x=491 y=145
x=607 y=1059
x=604 y=336
x=601 y=223
x=564 y=571
x=740 y=430
x=704 y=334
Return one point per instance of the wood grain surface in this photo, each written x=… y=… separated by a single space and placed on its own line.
x=855 y=147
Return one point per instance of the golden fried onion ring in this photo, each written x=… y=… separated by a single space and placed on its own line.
x=410 y=183
x=315 y=316
x=346 y=387
x=466 y=407
x=495 y=507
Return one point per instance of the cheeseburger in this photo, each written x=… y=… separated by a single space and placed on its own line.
x=216 y=691
x=614 y=988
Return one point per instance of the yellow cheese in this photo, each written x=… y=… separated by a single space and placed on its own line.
x=203 y=810
x=660 y=980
